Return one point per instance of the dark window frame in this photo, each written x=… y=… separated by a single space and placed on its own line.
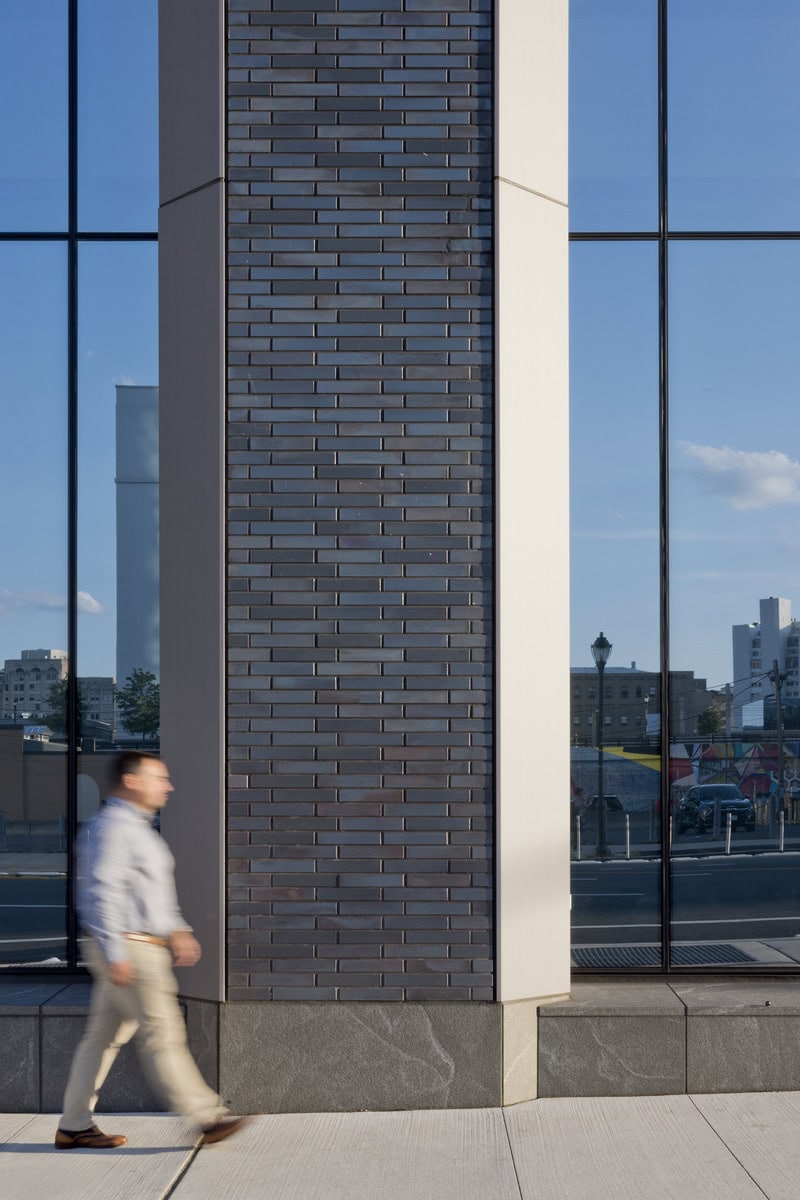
x=72 y=238
x=663 y=235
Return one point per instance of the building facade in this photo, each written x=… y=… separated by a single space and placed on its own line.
x=360 y=508
x=775 y=637
x=632 y=705
x=348 y=443
x=136 y=485
x=27 y=683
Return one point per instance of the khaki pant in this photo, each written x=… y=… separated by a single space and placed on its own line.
x=149 y=1006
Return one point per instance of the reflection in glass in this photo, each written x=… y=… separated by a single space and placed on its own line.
x=33 y=115
x=734 y=93
x=33 y=600
x=117 y=115
x=118 y=495
x=615 y=709
x=735 y=532
x=613 y=180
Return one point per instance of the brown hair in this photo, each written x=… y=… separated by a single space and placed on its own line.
x=129 y=762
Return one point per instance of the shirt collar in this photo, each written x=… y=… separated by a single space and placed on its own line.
x=134 y=810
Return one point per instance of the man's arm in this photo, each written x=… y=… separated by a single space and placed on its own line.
x=104 y=870
x=121 y=972
x=185 y=947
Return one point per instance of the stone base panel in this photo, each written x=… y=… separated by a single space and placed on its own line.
x=610 y=1038
x=650 y=1037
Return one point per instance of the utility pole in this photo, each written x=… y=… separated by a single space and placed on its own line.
x=728 y=711
x=777 y=677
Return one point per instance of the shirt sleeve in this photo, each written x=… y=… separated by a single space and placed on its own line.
x=104 y=863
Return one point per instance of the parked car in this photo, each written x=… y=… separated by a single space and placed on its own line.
x=696 y=808
x=613 y=804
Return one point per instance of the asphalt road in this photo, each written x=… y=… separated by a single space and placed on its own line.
x=714 y=899
x=33 y=919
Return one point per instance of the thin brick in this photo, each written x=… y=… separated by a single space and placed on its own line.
x=359 y=478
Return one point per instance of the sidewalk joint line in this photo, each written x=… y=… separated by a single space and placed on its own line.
x=170 y=1190
x=733 y=1155
x=511 y=1152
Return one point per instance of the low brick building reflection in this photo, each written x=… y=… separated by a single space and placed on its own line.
x=632 y=704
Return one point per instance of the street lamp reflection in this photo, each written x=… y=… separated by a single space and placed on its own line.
x=601 y=650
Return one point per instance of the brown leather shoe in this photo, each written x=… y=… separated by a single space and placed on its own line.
x=88 y=1139
x=221 y=1129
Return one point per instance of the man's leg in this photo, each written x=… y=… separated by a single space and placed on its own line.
x=108 y=1029
x=161 y=1040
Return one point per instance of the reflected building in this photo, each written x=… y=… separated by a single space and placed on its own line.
x=98 y=706
x=27 y=680
x=137 y=530
x=632 y=704
x=775 y=636
x=26 y=683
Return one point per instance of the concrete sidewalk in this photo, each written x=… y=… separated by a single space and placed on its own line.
x=740 y=1147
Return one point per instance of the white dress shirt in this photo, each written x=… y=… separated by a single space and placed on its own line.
x=126 y=879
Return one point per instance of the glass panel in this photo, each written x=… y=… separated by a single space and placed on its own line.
x=613 y=109
x=117 y=506
x=735 y=532
x=734 y=94
x=33 y=115
x=615 y=786
x=33 y=604
x=117 y=115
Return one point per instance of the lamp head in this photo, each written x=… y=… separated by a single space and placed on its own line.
x=601 y=649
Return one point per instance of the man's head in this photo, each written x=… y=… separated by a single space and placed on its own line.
x=142 y=779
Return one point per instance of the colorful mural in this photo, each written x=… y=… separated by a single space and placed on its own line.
x=635 y=777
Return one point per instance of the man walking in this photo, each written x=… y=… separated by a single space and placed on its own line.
x=128 y=909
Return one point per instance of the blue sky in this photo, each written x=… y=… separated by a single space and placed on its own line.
x=735 y=463
x=733 y=319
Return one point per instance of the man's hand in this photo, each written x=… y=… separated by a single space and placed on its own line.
x=185 y=948
x=121 y=973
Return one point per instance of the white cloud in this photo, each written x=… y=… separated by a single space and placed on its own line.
x=12 y=601
x=747 y=479
x=125 y=381
x=88 y=604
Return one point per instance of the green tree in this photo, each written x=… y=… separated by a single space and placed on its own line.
x=56 y=716
x=710 y=721
x=139 y=703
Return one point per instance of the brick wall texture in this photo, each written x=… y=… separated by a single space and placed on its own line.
x=360 y=500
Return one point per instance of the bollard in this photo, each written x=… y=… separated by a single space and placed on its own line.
x=669 y=834
x=728 y=833
x=578 y=836
x=780 y=830
x=627 y=835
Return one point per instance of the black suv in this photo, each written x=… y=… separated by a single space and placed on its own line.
x=696 y=808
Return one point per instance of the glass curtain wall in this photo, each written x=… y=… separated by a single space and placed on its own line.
x=79 y=419
x=686 y=827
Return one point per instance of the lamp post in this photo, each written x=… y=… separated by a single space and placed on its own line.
x=601 y=649
x=777 y=678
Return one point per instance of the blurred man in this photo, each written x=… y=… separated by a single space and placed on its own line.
x=128 y=908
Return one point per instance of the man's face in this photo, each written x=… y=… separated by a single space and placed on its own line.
x=150 y=785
